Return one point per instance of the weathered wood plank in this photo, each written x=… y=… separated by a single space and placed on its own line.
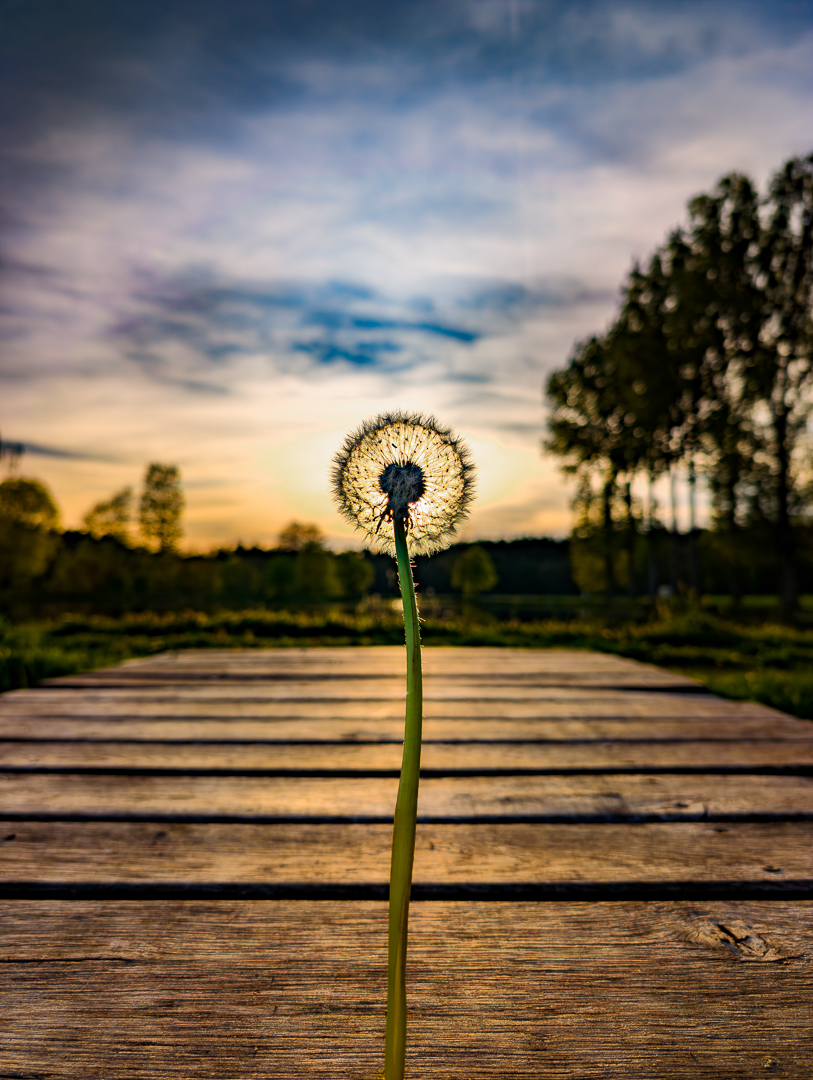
x=350 y=689
x=554 y=659
x=559 y=663
x=531 y=729
x=94 y=681
x=449 y=667
x=553 y=703
x=485 y=853
x=478 y=758
x=286 y=990
x=437 y=662
x=574 y=797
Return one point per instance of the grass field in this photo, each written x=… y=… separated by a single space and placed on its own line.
x=769 y=663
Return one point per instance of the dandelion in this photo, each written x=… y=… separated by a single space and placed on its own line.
x=404 y=466
x=406 y=482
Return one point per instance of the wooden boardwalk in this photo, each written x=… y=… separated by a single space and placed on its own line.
x=614 y=873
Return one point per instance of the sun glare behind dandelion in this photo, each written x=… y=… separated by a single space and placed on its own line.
x=406 y=466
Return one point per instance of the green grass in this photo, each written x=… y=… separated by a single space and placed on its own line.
x=789 y=691
x=770 y=663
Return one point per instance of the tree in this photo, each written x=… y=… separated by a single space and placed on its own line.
x=315 y=576
x=279 y=577
x=356 y=573
x=29 y=503
x=161 y=506
x=111 y=517
x=298 y=535
x=240 y=577
x=474 y=572
x=604 y=424
x=28 y=522
x=718 y=331
x=715 y=301
x=756 y=258
x=782 y=348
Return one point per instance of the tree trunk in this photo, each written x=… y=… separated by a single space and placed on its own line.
x=694 y=572
x=652 y=566
x=630 y=537
x=607 y=497
x=785 y=540
x=732 y=477
x=673 y=544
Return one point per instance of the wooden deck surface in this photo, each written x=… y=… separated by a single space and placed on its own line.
x=614 y=871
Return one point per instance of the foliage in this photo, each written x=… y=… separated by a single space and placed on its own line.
x=28 y=518
x=161 y=506
x=708 y=366
x=474 y=572
x=298 y=535
x=111 y=517
x=29 y=503
x=25 y=554
x=355 y=574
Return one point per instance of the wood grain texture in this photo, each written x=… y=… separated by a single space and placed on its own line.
x=556 y=663
x=531 y=729
x=562 y=703
x=623 y=797
x=276 y=989
x=479 y=758
x=285 y=990
x=435 y=657
x=350 y=689
x=483 y=853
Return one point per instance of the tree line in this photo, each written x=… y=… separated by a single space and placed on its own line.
x=705 y=374
x=127 y=558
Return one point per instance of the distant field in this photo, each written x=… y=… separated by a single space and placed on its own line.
x=763 y=662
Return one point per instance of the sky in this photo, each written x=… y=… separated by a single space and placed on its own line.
x=229 y=233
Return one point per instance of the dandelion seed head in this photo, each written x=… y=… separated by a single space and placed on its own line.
x=406 y=466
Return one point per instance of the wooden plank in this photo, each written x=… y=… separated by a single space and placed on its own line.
x=485 y=853
x=658 y=991
x=436 y=655
x=159 y=680
x=437 y=660
x=392 y=730
x=493 y=666
x=554 y=703
x=479 y=758
x=349 y=689
x=575 y=797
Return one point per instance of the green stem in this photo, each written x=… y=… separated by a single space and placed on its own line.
x=403 y=830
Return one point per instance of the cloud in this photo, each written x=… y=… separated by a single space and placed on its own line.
x=38 y=450
x=92 y=55
x=197 y=321
x=231 y=231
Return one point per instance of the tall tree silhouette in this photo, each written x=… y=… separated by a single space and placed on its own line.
x=161 y=506
x=718 y=329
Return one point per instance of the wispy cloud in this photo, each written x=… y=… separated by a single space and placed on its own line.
x=63 y=453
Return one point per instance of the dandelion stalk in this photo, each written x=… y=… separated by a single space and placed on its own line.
x=406 y=482
x=404 y=825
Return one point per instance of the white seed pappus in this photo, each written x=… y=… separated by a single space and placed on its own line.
x=404 y=439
